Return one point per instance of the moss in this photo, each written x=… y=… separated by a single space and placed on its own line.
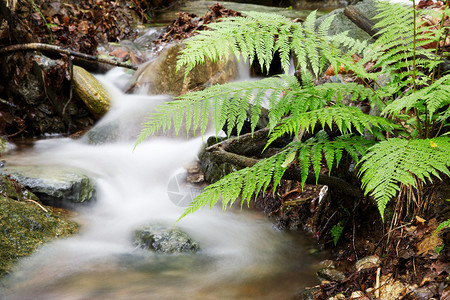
x=24 y=227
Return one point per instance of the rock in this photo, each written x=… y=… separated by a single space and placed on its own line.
x=310 y=293
x=102 y=134
x=87 y=88
x=164 y=239
x=201 y=7
x=358 y=295
x=367 y=262
x=5 y=146
x=25 y=226
x=161 y=77
x=390 y=288
x=337 y=297
x=14 y=190
x=327 y=263
x=330 y=274
x=341 y=23
x=55 y=186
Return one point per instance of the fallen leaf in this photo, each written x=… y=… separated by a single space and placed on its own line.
x=428 y=244
x=420 y=220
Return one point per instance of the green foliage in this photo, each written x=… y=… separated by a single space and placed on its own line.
x=410 y=143
x=395 y=161
x=445 y=224
x=259 y=35
x=336 y=232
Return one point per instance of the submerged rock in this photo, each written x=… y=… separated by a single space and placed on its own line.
x=25 y=226
x=164 y=240
x=55 y=186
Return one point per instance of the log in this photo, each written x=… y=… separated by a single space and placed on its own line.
x=61 y=50
x=360 y=20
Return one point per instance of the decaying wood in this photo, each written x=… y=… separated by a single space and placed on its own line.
x=360 y=20
x=61 y=50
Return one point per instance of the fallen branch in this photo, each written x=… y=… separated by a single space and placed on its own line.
x=361 y=20
x=61 y=50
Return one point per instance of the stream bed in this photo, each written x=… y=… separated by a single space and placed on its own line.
x=241 y=255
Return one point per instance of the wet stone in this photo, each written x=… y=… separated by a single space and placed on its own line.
x=164 y=239
x=310 y=293
x=54 y=186
x=330 y=274
x=367 y=262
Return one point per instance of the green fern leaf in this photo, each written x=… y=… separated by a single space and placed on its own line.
x=395 y=161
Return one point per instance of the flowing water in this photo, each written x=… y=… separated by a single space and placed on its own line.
x=242 y=256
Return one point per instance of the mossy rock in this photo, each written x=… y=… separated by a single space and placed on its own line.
x=25 y=226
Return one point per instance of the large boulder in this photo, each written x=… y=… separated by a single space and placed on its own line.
x=342 y=23
x=161 y=77
x=163 y=239
x=55 y=186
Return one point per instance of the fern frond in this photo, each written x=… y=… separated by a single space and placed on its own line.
x=435 y=97
x=259 y=35
x=395 y=161
x=347 y=119
x=249 y=182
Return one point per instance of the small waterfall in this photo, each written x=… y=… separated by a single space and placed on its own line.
x=241 y=255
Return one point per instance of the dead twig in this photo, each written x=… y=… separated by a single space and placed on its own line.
x=30 y=200
x=61 y=50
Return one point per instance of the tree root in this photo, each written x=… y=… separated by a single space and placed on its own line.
x=231 y=151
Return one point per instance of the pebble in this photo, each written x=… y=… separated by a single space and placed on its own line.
x=367 y=263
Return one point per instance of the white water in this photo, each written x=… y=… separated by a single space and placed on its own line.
x=241 y=256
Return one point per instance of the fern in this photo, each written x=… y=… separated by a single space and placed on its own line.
x=336 y=232
x=414 y=103
x=395 y=161
x=249 y=182
x=257 y=36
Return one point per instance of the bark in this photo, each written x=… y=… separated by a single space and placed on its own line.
x=227 y=152
x=360 y=20
x=61 y=50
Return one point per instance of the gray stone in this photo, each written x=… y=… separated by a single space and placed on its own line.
x=55 y=186
x=163 y=239
x=367 y=262
x=341 y=23
x=102 y=134
x=310 y=293
x=330 y=274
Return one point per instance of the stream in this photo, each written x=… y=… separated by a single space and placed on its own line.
x=241 y=255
